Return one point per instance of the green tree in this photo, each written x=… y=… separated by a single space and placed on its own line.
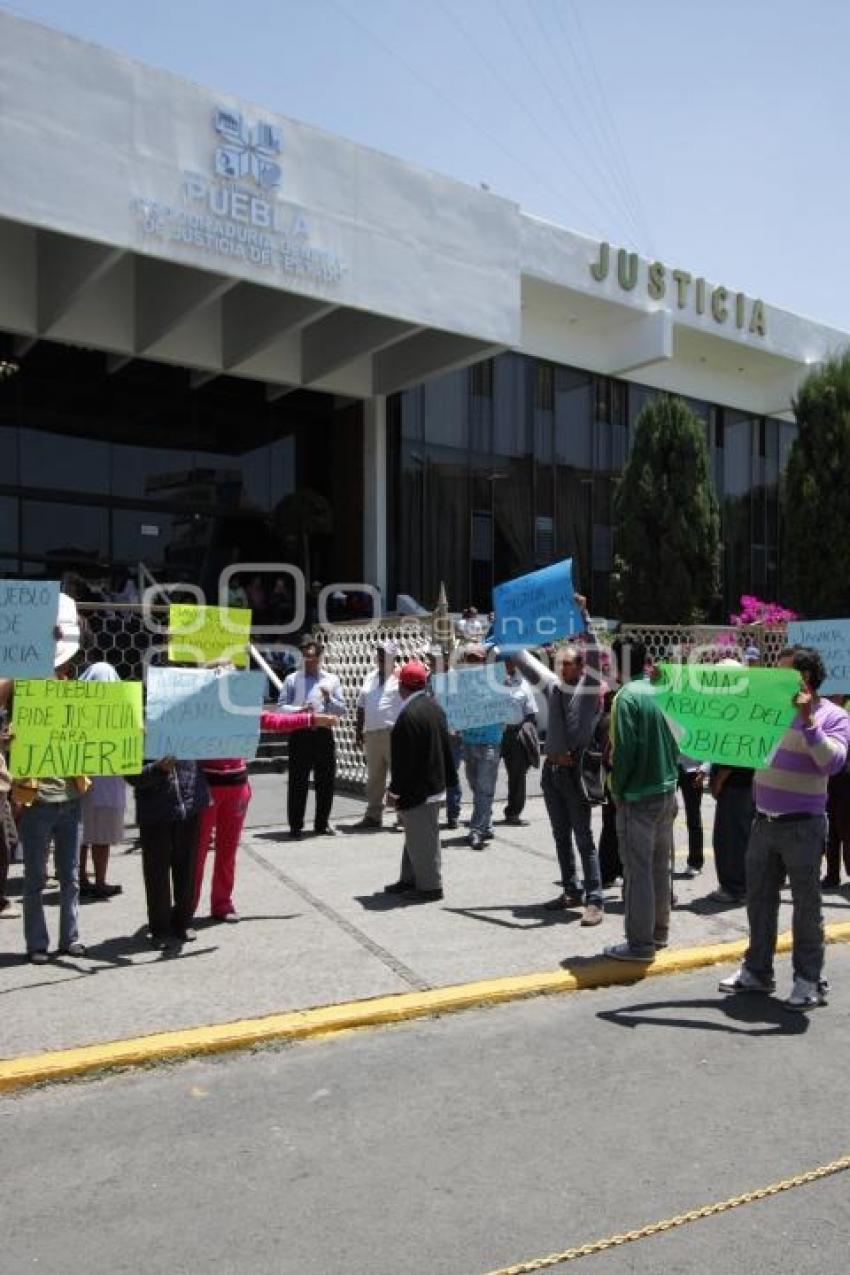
x=667 y=569
x=816 y=495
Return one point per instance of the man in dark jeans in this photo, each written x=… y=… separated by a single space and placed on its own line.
x=574 y=695
x=519 y=739
x=312 y=689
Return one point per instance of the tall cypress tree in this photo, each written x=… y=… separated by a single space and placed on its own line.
x=816 y=495
x=667 y=568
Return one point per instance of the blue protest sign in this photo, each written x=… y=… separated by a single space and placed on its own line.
x=28 y=614
x=200 y=714
x=832 y=639
x=477 y=696
x=536 y=608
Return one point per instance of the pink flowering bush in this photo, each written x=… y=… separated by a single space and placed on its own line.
x=754 y=611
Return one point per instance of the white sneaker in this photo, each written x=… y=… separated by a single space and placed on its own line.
x=744 y=981
x=806 y=995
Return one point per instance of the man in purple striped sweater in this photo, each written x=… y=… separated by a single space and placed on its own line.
x=788 y=835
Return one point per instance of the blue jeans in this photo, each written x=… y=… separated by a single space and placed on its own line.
x=59 y=820
x=453 y=794
x=569 y=815
x=482 y=767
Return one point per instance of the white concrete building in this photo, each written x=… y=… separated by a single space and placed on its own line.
x=208 y=307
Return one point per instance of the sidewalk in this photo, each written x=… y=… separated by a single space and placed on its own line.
x=316 y=930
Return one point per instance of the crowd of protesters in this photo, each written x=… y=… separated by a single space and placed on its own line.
x=606 y=744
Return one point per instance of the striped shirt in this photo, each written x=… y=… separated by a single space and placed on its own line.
x=795 y=781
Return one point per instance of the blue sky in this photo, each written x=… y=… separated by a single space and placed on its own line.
x=711 y=135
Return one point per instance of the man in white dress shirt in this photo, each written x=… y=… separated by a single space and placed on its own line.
x=378 y=707
x=311 y=751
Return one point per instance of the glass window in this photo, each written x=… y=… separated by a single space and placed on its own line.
x=544 y=540
x=152 y=473
x=573 y=419
x=8 y=525
x=544 y=387
x=69 y=535
x=55 y=461
x=481 y=379
x=9 y=451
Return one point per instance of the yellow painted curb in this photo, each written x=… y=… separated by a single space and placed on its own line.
x=61 y=1064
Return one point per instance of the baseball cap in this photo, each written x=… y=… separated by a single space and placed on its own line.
x=413 y=675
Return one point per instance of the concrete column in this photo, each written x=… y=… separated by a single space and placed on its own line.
x=375 y=493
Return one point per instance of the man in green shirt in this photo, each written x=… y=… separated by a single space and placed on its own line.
x=644 y=771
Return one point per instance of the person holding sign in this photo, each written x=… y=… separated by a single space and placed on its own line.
x=788 y=835
x=644 y=773
x=311 y=689
x=481 y=748
x=223 y=820
x=51 y=811
x=575 y=695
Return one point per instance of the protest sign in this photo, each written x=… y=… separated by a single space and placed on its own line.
x=831 y=638
x=198 y=714
x=76 y=728
x=537 y=608
x=728 y=715
x=28 y=613
x=198 y=635
x=473 y=697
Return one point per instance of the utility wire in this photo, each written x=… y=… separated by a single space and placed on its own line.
x=600 y=136
x=536 y=69
x=561 y=196
x=505 y=83
x=605 y=112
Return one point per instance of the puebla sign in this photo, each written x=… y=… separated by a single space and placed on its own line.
x=689 y=293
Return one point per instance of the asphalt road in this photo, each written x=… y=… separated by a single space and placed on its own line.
x=453 y=1146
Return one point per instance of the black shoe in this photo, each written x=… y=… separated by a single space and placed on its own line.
x=103 y=891
x=830 y=883
x=451 y=824
x=325 y=830
x=295 y=834
x=476 y=841
x=489 y=835
x=514 y=821
x=425 y=896
x=188 y=935
x=398 y=887
x=564 y=902
x=163 y=942
x=73 y=949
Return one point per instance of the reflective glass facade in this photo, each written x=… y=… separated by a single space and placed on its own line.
x=104 y=464
x=512 y=463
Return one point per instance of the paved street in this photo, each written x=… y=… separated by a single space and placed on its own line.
x=317 y=930
x=453 y=1146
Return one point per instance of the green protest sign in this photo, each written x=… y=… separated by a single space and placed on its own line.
x=198 y=635
x=77 y=728
x=729 y=715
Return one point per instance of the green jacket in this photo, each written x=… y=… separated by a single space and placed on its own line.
x=644 y=753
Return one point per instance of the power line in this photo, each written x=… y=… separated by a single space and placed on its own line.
x=536 y=69
x=444 y=97
x=509 y=89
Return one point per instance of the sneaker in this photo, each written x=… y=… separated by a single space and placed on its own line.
x=38 y=958
x=489 y=835
x=622 y=952
x=745 y=981
x=232 y=918
x=593 y=915
x=74 y=949
x=9 y=912
x=806 y=995
x=476 y=841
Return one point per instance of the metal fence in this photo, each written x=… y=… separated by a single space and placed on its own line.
x=118 y=634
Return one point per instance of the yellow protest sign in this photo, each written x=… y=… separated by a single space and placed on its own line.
x=77 y=728
x=198 y=635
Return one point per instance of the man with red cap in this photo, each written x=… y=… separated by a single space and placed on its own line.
x=421 y=769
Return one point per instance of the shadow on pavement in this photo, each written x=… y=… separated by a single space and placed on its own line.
x=744 y=1015
x=528 y=916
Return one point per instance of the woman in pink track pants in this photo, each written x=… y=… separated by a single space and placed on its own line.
x=231 y=793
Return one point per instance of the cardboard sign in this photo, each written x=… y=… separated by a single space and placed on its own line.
x=201 y=714
x=197 y=635
x=728 y=715
x=28 y=614
x=537 y=608
x=76 y=728
x=831 y=638
x=473 y=697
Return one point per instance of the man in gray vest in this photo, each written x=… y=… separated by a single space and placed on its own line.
x=574 y=694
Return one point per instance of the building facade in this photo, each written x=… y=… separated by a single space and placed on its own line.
x=228 y=336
